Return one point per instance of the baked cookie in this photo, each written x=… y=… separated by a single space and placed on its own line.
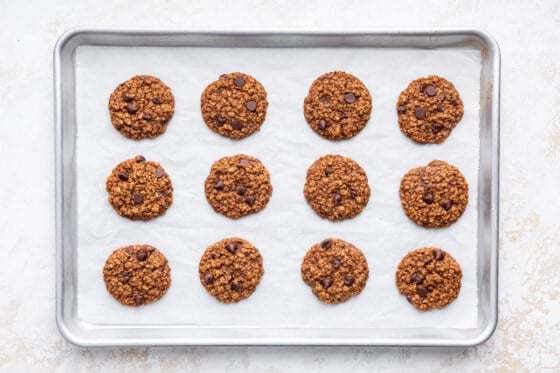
x=429 y=278
x=434 y=196
x=231 y=269
x=141 y=107
x=238 y=185
x=137 y=275
x=335 y=270
x=428 y=109
x=234 y=105
x=139 y=189
x=338 y=105
x=336 y=187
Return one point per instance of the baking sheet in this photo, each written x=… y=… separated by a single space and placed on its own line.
x=287 y=146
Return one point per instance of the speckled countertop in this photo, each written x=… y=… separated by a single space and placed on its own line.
x=528 y=335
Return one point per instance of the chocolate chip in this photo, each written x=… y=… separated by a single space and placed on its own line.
x=328 y=170
x=240 y=190
x=427 y=261
x=232 y=247
x=235 y=286
x=428 y=198
x=123 y=176
x=431 y=90
x=250 y=200
x=409 y=300
x=237 y=125
x=324 y=99
x=436 y=127
x=141 y=255
x=127 y=98
x=337 y=199
x=156 y=100
x=137 y=198
x=139 y=158
x=335 y=263
x=454 y=102
x=402 y=109
x=442 y=96
x=131 y=108
x=416 y=277
x=159 y=173
x=445 y=204
x=322 y=125
x=326 y=282
x=326 y=244
x=146 y=116
x=421 y=291
x=239 y=81
x=244 y=161
x=349 y=98
x=219 y=185
x=419 y=113
x=353 y=193
x=439 y=108
x=424 y=184
x=139 y=299
x=439 y=254
x=125 y=278
x=209 y=278
x=220 y=121
x=251 y=105
x=348 y=280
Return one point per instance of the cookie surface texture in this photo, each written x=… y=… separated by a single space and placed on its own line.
x=234 y=105
x=141 y=107
x=335 y=270
x=137 y=274
x=434 y=196
x=336 y=187
x=429 y=278
x=139 y=189
x=428 y=109
x=231 y=269
x=338 y=105
x=237 y=186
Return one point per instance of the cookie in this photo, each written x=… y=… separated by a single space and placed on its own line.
x=234 y=105
x=231 y=270
x=141 y=107
x=434 y=196
x=335 y=270
x=429 y=278
x=428 y=109
x=137 y=274
x=237 y=186
x=336 y=187
x=139 y=189
x=338 y=106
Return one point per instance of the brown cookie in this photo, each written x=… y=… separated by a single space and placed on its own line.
x=429 y=278
x=141 y=107
x=234 y=105
x=428 y=109
x=338 y=105
x=335 y=270
x=434 y=196
x=336 y=187
x=231 y=269
x=137 y=275
x=139 y=189
x=238 y=185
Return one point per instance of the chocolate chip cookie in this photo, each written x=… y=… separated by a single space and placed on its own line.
x=234 y=105
x=335 y=270
x=139 y=189
x=237 y=186
x=231 y=269
x=338 y=105
x=336 y=187
x=429 y=278
x=137 y=275
x=428 y=109
x=434 y=196
x=141 y=107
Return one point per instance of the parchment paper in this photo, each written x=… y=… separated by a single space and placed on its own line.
x=286 y=229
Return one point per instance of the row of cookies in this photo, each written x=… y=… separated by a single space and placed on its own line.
x=336 y=188
x=231 y=269
x=337 y=107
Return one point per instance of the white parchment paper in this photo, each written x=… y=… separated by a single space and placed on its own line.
x=287 y=146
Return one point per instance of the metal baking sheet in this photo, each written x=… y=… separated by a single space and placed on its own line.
x=90 y=58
